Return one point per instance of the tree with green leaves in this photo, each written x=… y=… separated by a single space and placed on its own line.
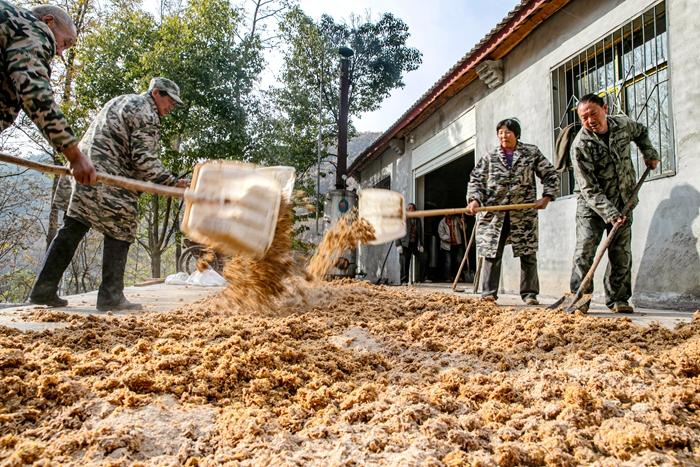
x=309 y=95
x=300 y=118
x=203 y=47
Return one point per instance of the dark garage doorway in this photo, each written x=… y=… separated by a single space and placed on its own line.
x=446 y=187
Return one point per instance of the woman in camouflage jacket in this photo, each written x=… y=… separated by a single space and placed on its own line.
x=506 y=175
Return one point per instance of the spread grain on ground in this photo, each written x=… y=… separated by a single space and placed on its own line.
x=352 y=374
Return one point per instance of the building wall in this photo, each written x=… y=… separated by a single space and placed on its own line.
x=370 y=258
x=666 y=251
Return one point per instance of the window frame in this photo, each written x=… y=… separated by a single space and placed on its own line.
x=616 y=86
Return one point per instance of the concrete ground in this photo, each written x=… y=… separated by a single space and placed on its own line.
x=154 y=298
x=161 y=297
x=641 y=316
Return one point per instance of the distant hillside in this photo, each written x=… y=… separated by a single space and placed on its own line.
x=39 y=184
x=359 y=144
x=24 y=197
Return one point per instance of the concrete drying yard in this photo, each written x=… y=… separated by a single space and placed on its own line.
x=346 y=373
x=160 y=297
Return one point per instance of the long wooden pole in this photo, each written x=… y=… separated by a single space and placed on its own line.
x=466 y=256
x=452 y=211
x=107 y=179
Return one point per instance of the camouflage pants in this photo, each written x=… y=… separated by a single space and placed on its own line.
x=491 y=270
x=618 y=276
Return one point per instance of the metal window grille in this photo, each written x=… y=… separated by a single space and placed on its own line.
x=384 y=183
x=629 y=68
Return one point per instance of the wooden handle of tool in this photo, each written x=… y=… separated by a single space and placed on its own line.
x=586 y=282
x=113 y=180
x=465 y=258
x=450 y=212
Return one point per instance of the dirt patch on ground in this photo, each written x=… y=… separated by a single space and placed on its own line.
x=351 y=374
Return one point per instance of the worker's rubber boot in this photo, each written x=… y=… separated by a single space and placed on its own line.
x=110 y=296
x=122 y=305
x=622 y=307
x=58 y=257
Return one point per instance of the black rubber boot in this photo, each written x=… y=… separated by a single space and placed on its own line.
x=58 y=257
x=123 y=305
x=110 y=296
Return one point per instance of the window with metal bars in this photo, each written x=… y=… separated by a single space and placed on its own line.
x=629 y=68
x=384 y=183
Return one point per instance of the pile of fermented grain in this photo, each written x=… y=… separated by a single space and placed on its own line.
x=347 y=233
x=258 y=283
x=353 y=375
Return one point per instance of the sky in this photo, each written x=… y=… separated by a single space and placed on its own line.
x=443 y=30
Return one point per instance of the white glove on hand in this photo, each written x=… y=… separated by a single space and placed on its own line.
x=420 y=248
x=399 y=249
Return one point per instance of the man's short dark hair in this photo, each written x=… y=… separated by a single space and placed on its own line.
x=593 y=98
x=511 y=124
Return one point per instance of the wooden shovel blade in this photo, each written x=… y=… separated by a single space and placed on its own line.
x=560 y=304
x=576 y=305
x=246 y=219
x=383 y=210
x=570 y=302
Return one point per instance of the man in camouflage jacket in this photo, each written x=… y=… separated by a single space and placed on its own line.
x=28 y=42
x=124 y=139
x=606 y=178
x=506 y=175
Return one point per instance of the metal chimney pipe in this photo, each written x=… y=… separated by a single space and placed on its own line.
x=342 y=168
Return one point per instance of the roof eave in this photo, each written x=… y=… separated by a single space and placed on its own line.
x=512 y=30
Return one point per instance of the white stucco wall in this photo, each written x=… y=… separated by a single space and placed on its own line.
x=666 y=264
x=371 y=258
x=666 y=249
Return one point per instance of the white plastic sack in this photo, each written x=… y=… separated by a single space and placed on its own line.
x=207 y=278
x=179 y=278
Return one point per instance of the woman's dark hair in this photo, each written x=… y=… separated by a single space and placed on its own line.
x=511 y=124
x=593 y=98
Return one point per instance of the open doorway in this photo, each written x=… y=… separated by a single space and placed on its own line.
x=446 y=187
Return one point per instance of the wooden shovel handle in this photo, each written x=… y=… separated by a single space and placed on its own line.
x=107 y=179
x=586 y=282
x=450 y=212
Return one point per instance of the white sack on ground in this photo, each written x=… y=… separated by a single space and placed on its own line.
x=206 y=278
x=179 y=278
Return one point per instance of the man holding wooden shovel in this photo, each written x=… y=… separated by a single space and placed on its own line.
x=28 y=42
x=123 y=140
x=606 y=181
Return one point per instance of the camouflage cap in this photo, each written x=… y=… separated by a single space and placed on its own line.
x=166 y=85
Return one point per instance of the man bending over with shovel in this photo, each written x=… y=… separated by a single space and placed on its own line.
x=124 y=139
x=28 y=42
x=606 y=179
